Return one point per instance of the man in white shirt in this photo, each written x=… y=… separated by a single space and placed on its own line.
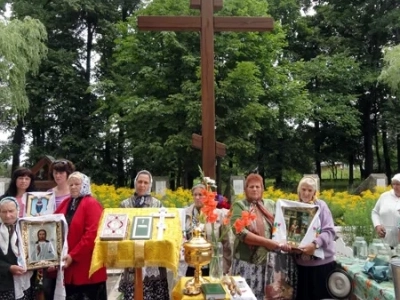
x=385 y=215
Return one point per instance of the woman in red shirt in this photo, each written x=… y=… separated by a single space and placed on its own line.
x=83 y=213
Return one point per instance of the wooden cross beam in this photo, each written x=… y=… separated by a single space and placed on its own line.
x=207 y=24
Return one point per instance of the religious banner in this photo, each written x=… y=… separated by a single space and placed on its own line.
x=297 y=224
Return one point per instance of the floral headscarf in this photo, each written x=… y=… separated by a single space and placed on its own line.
x=85 y=187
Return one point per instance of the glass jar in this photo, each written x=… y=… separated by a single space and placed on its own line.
x=360 y=249
x=216 y=262
x=375 y=246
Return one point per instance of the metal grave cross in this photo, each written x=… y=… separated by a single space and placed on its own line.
x=207 y=24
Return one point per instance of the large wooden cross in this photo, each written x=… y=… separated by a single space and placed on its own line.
x=207 y=24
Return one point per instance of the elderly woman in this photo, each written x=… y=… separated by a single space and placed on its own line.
x=385 y=214
x=83 y=213
x=252 y=244
x=10 y=271
x=192 y=219
x=155 y=286
x=312 y=271
x=22 y=181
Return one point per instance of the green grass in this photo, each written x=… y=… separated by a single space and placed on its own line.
x=341 y=173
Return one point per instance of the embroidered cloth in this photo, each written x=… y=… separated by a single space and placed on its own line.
x=139 y=253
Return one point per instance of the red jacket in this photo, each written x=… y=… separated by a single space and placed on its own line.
x=81 y=235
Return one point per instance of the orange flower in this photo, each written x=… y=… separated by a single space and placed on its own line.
x=244 y=221
x=212 y=218
x=239 y=225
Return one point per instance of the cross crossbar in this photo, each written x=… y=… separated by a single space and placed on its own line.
x=189 y=23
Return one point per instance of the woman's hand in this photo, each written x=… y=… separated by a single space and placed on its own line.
x=272 y=245
x=17 y=270
x=381 y=231
x=67 y=260
x=285 y=247
x=309 y=249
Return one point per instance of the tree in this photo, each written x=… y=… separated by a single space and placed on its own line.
x=22 y=47
x=391 y=70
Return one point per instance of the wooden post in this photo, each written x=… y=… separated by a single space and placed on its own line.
x=138 y=284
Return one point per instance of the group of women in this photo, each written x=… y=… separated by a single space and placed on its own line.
x=82 y=213
x=248 y=257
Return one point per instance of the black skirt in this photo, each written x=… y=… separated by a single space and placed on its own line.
x=312 y=281
x=96 y=291
x=10 y=295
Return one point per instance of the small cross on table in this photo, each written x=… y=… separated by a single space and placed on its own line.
x=162 y=214
x=207 y=24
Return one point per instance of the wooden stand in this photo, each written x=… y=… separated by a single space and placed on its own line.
x=138 y=295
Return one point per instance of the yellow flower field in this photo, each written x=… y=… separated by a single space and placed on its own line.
x=347 y=209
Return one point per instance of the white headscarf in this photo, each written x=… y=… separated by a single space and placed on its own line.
x=4 y=231
x=148 y=192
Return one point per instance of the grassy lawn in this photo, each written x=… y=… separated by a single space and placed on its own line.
x=341 y=173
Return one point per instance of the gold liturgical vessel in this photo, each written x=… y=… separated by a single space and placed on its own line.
x=198 y=253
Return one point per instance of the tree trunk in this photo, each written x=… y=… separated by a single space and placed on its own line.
x=317 y=150
x=376 y=135
x=351 y=169
x=17 y=141
x=386 y=154
x=368 y=134
x=120 y=158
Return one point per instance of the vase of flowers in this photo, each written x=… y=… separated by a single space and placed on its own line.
x=216 y=263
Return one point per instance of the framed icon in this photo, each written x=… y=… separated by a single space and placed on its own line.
x=42 y=243
x=39 y=204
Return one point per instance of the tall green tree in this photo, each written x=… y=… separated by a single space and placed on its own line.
x=22 y=48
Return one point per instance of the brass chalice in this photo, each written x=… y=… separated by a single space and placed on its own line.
x=198 y=253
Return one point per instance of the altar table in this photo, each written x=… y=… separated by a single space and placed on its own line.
x=247 y=294
x=365 y=288
x=139 y=253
